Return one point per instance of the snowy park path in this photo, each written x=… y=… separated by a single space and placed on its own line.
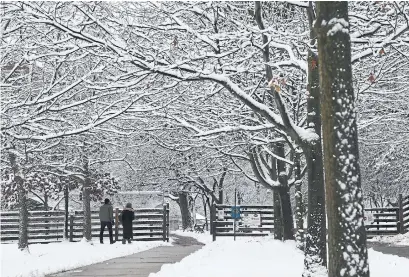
x=140 y=264
x=387 y=248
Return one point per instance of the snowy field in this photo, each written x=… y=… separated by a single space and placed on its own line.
x=401 y=239
x=54 y=257
x=262 y=257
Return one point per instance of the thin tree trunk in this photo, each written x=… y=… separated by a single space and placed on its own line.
x=86 y=202
x=210 y=209
x=205 y=212
x=45 y=201
x=346 y=231
x=299 y=220
x=46 y=209
x=66 y=195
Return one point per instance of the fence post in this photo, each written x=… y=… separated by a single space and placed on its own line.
x=211 y=220
x=377 y=222
x=71 y=228
x=214 y=222
x=401 y=226
x=164 y=223
x=116 y=224
x=167 y=221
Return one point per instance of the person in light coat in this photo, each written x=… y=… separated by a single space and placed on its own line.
x=106 y=216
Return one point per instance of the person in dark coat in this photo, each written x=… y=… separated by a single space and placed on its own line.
x=106 y=216
x=127 y=216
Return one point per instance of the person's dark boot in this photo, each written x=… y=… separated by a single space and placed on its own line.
x=129 y=241
x=123 y=241
x=101 y=242
x=112 y=242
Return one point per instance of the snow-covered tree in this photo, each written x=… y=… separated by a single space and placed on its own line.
x=348 y=254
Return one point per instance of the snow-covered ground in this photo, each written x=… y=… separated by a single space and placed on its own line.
x=401 y=239
x=54 y=257
x=201 y=237
x=263 y=257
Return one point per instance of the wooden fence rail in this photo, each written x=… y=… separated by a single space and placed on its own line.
x=222 y=223
x=150 y=224
x=389 y=221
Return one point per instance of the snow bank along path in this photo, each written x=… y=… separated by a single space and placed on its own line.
x=263 y=257
x=45 y=259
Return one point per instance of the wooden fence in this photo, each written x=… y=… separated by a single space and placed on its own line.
x=223 y=224
x=388 y=221
x=150 y=224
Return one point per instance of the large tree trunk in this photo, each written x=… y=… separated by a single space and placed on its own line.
x=86 y=203
x=346 y=232
x=278 y=216
x=22 y=203
x=288 y=222
x=23 y=217
x=185 y=210
x=284 y=196
x=315 y=240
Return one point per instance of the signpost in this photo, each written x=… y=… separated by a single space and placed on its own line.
x=251 y=219
x=235 y=213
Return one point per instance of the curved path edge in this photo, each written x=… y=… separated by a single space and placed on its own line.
x=139 y=264
x=391 y=249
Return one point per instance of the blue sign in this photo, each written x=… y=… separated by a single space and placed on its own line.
x=235 y=212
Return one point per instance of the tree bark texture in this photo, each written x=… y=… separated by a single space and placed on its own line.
x=284 y=196
x=278 y=216
x=346 y=231
x=86 y=202
x=23 y=217
x=205 y=212
x=315 y=239
x=22 y=203
x=66 y=195
x=185 y=210
x=288 y=222
x=299 y=210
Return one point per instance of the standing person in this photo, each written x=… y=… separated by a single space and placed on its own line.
x=106 y=216
x=127 y=216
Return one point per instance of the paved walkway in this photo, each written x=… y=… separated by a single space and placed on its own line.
x=386 y=248
x=140 y=264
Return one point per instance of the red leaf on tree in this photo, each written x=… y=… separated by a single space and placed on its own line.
x=382 y=51
x=371 y=78
x=313 y=63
